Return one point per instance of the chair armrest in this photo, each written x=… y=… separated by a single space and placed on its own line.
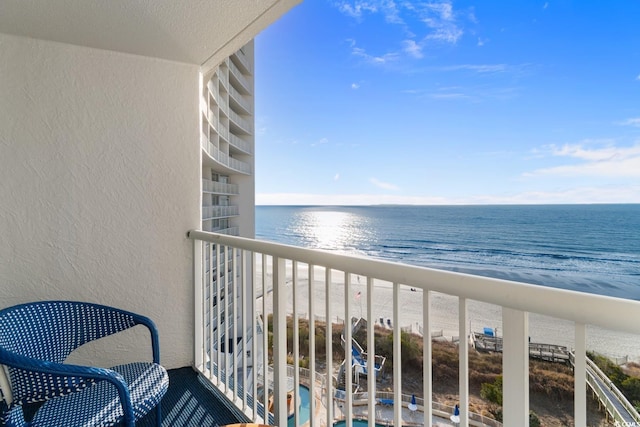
x=72 y=377
x=153 y=330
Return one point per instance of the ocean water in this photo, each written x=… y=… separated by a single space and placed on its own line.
x=591 y=248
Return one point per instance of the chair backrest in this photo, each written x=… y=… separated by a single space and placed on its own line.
x=49 y=331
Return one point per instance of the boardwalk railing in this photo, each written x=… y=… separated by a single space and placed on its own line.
x=273 y=283
x=616 y=405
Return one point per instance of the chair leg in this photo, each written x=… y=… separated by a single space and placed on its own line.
x=159 y=415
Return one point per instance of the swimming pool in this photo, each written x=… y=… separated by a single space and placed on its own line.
x=304 y=409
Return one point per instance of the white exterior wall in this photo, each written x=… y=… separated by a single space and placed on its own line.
x=216 y=116
x=247 y=197
x=99 y=183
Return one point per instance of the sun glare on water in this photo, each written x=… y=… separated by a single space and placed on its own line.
x=332 y=230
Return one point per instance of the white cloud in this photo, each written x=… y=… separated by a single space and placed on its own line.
x=574 y=195
x=336 y=177
x=478 y=68
x=638 y=78
x=344 y=199
x=607 y=161
x=322 y=141
x=391 y=12
x=449 y=34
x=383 y=185
x=436 y=22
x=450 y=95
x=357 y=9
x=355 y=86
x=440 y=18
x=632 y=122
x=412 y=48
x=472 y=16
x=376 y=60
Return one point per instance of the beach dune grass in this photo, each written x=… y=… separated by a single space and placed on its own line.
x=550 y=384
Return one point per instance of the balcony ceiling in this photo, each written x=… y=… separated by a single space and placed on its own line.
x=193 y=31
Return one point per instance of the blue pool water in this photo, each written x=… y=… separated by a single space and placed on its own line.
x=304 y=409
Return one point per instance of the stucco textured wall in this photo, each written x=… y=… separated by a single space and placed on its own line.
x=99 y=183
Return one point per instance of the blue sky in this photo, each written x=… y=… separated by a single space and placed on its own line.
x=449 y=102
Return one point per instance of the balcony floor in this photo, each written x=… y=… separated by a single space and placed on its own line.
x=191 y=402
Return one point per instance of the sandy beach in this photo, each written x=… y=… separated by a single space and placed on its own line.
x=444 y=313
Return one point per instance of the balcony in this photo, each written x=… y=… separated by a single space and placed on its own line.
x=243 y=124
x=213 y=89
x=224 y=78
x=284 y=285
x=215 y=187
x=223 y=131
x=240 y=144
x=224 y=159
x=241 y=78
x=192 y=402
x=240 y=101
x=242 y=61
x=212 y=212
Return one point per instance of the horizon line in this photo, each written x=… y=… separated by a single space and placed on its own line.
x=447 y=204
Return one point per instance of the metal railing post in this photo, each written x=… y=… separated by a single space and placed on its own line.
x=580 y=376
x=515 y=367
x=280 y=342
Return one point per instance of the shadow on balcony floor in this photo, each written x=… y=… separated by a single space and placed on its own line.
x=191 y=402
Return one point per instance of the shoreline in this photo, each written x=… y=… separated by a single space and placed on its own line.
x=444 y=314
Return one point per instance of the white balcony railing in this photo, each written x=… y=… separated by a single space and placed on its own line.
x=281 y=284
x=244 y=61
x=240 y=100
x=223 y=131
x=223 y=158
x=209 y=186
x=242 y=79
x=242 y=122
x=224 y=77
x=240 y=144
x=210 y=212
x=223 y=104
x=213 y=89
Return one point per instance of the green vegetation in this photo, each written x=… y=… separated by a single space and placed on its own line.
x=551 y=384
x=628 y=385
x=493 y=393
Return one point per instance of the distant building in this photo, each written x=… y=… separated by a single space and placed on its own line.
x=228 y=141
x=228 y=182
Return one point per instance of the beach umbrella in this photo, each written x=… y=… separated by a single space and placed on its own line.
x=413 y=406
x=456 y=414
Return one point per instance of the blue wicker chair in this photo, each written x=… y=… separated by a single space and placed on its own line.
x=36 y=338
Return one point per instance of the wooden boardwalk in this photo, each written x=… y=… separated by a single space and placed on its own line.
x=548 y=352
